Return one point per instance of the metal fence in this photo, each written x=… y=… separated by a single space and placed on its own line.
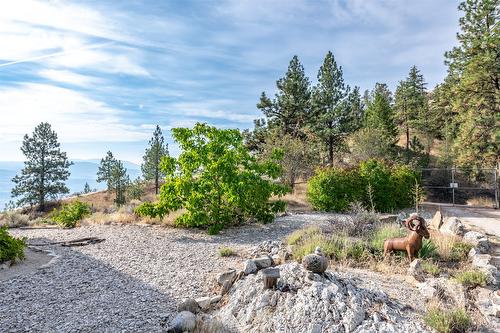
x=459 y=186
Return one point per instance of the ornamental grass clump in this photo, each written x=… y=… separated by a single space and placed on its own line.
x=448 y=321
x=471 y=278
x=217 y=181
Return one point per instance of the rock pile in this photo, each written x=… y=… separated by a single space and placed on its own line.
x=305 y=302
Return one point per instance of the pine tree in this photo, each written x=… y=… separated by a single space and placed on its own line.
x=290 y=109
x=356 y=108
x=379 y=112
x=411 y=105
x=331 y=120
x=119 y=180
x=152 y=157
x=474 y=66
x=86 y=188
x=45 y=170
x=105 y=167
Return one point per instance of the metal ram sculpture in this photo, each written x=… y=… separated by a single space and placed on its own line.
x=412 y=243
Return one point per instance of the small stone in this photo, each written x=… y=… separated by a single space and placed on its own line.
x=203 y=302
x=229 y=275
x=249 y=267
x=276 y=260
x=315 y=263
x=185 y=321
x=190 y=305
x=263 y=262
x=416 y=270
x=437 y=221
x=215 y=299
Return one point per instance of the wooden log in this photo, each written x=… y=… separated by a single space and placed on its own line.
x=270 y=276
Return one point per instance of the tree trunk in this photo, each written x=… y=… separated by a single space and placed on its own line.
x=330 y=151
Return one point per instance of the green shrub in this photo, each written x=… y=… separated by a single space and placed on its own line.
x=428 y=250
x=372 y=182
x=334 y=189
x=217 y=181
x=452 y=321
x=471 y=278
x=431 y=268
x=460 y=251
x=69 y=214
x=226 y=252
x=383 y=232
x=11 y=248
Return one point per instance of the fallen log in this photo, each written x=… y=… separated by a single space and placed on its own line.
x=74 y=242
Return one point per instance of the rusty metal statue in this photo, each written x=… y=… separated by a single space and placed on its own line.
x=412 y=243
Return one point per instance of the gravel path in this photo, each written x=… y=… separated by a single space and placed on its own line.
x=129 y=283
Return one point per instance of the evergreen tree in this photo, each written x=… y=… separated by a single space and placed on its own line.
x=331 y=120
x=357 y=108
x=152 y=157
x=411 y=105
x=45 y=170
x=86 y=188
x=379 y=112
x=119 y=180
x=474 y=66
x=105 y=168
x=290 y=109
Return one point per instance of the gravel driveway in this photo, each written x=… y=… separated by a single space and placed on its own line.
x=129 y=283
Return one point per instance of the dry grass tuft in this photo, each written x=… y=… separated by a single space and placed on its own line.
x=450 y=248
x=481 y=202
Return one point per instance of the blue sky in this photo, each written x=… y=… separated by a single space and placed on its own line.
x=104 y=73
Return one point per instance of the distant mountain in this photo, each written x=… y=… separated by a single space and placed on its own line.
x=82 y=171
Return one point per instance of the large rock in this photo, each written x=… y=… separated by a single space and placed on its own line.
x=416 y=270
x=437 y=221
x=328 y=305
x=229 y=275
x=478 y=240
x=483 y=263
x=263 y=262
x=249 y=267
x=315 y=263
x=185 y=321
x=444 y=288
x=488 y=303
x=188 y=305
x=452 y=226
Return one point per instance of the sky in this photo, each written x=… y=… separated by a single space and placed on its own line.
x=104 y=73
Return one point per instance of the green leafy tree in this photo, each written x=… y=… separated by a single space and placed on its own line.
x=45 y=170
x=290 y=109
x=331 y=120
x=105 y=168
x=379 y=112
x=216 y=180
x=152 y=157
x=475 y=70
x=119 y=181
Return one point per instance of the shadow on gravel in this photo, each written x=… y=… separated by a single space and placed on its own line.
x=81 y=294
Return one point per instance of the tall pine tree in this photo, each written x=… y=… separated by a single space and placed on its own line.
x=119 y=181
x=474 y=67
x=290 y=109
x=105 y=168
x=45 y=170
x=152 y=157
x=331 y=120
x=379 y=112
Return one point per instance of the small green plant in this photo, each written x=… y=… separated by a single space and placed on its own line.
x=383 y=232
x=471 y=278
x=460 y=251
x=431 y=268
x=69 y=214
x=136 y=189
x=11 y=248
x=226 y=252
x=428 y=250
x=451 y=321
